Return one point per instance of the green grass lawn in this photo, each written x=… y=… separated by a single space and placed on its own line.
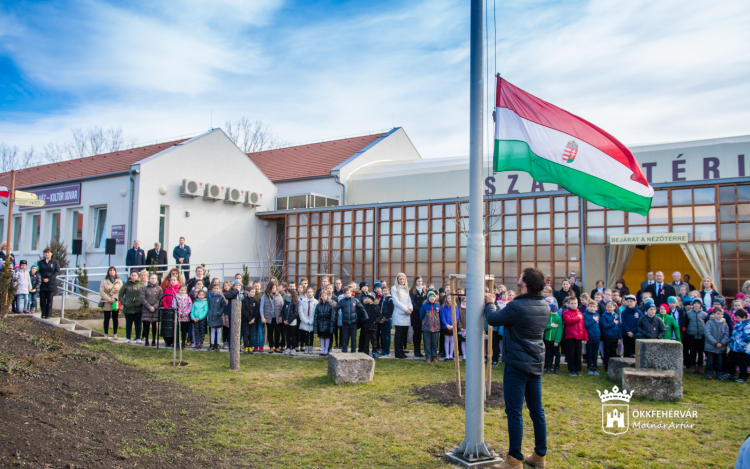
x=284 y=412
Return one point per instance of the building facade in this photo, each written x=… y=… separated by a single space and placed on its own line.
x=702 y=193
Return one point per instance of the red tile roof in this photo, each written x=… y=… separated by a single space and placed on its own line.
x=96 y=165
x=315 y=159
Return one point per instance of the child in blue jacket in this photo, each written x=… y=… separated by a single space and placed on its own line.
x=591 y=322
x=611 y=328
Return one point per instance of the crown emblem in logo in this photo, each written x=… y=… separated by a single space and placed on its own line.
x=570 y=152
x=615 y=395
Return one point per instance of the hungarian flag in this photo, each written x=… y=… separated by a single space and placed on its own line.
x=4 y=194
x=554 y=146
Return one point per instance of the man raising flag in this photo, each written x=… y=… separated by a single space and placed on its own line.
x=553 y=145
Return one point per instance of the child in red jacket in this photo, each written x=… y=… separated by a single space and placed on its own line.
x=574 y=331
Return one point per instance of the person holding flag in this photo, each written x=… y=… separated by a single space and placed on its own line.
x=554 y=146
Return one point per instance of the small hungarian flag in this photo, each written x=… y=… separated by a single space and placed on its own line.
x=4 y=194
x=553 y=145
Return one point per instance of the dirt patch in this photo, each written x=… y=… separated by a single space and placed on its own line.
x=64 y=405
x=445 y=394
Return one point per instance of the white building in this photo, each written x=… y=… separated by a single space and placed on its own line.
x=138 y=194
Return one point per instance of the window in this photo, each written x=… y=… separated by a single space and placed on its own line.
x=162 y=225
x=36 y=228
x=299 y=201
x=100 y=233
x=54 y=226
x=76 y=222
x=16 y=232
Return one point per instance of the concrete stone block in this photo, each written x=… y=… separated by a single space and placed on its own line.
x=350 y=368
x=659 y=354
x=616 y=365
x=660 y=385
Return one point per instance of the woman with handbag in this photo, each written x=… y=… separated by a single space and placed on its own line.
x=109 y=290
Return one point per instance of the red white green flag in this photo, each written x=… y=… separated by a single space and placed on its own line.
x=554 y=146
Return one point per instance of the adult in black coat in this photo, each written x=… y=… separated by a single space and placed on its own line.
x=599 y=288
x=564 y=292
x=48 y=270
x=135 y=255
x=157 y=256
x=660 y=290
x=524 y=319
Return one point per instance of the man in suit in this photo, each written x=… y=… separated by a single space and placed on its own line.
x=181 y=254
x=650 y=281
x=157 y=256
x=677 y=281
x=660 y=291
x=135 y=255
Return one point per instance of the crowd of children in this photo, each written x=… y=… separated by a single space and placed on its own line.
x=608 y=326
x=287 y=317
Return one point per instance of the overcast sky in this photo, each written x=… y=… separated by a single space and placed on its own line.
x=644 y=71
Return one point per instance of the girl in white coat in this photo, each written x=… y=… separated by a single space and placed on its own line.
x=307 y=319
x=402 y=310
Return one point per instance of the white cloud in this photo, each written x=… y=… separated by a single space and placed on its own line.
x=643 y=71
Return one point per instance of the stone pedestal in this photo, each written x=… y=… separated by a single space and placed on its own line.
x=350 y=368
x=659 y=354
x=660 y=385
x=616 y=365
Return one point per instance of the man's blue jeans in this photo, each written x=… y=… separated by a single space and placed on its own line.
x=517 y=385
x=385 y=337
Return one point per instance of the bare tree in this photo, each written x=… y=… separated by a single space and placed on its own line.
x=252 y=136
x=491 y=218
x=87 y=142
x=12 y=158
x=269 y=250
x=8 y=157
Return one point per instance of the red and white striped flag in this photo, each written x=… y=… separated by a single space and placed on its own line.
x=4 y=194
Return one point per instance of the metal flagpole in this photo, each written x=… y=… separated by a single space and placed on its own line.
x=474 y=449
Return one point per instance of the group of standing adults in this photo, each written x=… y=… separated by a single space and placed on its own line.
x=181 y=253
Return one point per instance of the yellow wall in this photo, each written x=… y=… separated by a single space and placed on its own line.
x=665 y=257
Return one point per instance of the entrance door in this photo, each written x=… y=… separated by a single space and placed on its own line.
x=665 y=257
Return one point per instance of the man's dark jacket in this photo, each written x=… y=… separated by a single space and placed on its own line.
x=525 y=319
x=664 y=294
x=135 y=257
x=159 y=259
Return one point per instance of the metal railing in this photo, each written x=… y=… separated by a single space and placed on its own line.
x=68 y=276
